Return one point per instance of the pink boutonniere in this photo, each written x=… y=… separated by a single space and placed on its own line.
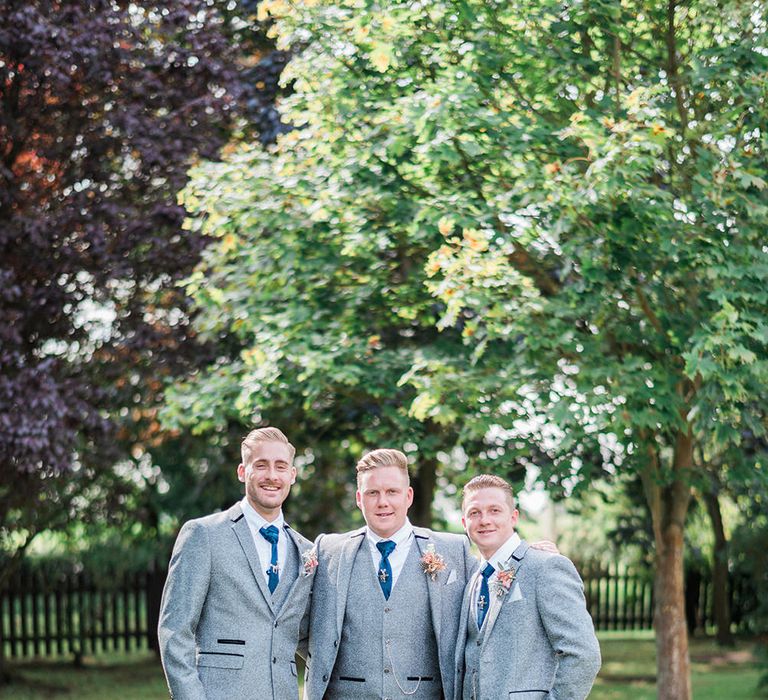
x=432 y=563
x=504 y=580
x=309 y=561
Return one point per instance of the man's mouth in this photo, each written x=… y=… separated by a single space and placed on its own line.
x=269 y=488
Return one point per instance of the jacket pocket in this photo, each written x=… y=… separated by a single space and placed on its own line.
x=528 y=694
x=217 y=659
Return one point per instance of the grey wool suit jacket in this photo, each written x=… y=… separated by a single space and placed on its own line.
x=221 y=634
x=336 y=556
x=539 y=642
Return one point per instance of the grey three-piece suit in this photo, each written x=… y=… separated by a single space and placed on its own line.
x=222 y=634
x=362 y=646
x=537 y=640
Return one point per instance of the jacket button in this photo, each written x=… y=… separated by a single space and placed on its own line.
x=274 y=659
x=275 y=624
x=325 y=677
x=387 y=609
x=386 y=670
x=335 y=642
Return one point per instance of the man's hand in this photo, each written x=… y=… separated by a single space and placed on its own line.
x=546 y=546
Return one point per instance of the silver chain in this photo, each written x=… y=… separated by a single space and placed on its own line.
x=392 y=663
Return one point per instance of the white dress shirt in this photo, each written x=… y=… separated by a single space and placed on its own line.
x=403 y=539
x=263 y=547
x=498 y=558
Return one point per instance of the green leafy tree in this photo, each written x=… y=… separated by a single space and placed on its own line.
x=584 y=183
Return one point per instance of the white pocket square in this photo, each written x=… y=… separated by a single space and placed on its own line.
x=451 y=577
x=515 y=594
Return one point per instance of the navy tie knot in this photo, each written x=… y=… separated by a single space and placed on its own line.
x=270 y=533
x=386 y=547
x=488 y=571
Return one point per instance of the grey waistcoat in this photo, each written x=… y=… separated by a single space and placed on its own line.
x=386 y=641
x=289 y=570
x=283 y=664
x=471 y=690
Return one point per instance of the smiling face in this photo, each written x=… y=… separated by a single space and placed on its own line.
x=383 y=495
x=268 y=477
x=489 y=519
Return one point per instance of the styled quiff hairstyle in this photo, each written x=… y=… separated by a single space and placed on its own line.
x=264 y=435
x=487 y=481
x=382 y=458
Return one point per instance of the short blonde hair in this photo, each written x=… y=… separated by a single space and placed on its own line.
x=487 y=481
x=384 y=457
x=264 y=435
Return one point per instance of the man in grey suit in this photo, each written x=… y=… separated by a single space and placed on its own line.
x=386 y=598
x=524 y=632
x=238 y=588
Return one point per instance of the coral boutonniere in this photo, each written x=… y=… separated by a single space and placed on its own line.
x=432 y=563
x=504 y=580
x=309 y=560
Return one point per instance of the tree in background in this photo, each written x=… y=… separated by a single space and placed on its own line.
x=317 y=280
x=588 y=179
x=102 y=108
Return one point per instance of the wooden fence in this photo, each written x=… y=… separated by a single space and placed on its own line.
x=619 y=600
x=75 y=614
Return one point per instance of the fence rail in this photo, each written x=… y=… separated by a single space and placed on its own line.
x=619 y=600
x=77 y=614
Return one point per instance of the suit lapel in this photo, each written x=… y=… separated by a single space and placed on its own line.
x=346 y=562
x=301 y=547
x=516 y=561
x=244 y=536
x=434 y=588
x=466 y=609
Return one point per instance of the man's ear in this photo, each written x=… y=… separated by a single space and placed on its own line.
x=241 y=472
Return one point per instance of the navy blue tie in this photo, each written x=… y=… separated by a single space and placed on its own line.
x=270 y=534
x=386 y=547
x=484 y=599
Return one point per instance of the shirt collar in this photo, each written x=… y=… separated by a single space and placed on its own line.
x=503 y=553
x=256 y=520
x=398 y=538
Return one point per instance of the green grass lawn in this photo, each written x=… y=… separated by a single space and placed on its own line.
x=629 y=669
x=628 y=673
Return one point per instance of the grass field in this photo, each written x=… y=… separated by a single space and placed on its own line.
x=627 y=674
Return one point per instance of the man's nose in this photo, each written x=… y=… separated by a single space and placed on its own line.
x=272 y=473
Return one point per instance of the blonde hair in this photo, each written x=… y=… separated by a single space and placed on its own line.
x=384 y=457
x=487 y=481
x=264 y=435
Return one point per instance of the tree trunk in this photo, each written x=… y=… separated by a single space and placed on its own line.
x=423 y=483
x=720 y=602
x=672 y=663
x=668 y=496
